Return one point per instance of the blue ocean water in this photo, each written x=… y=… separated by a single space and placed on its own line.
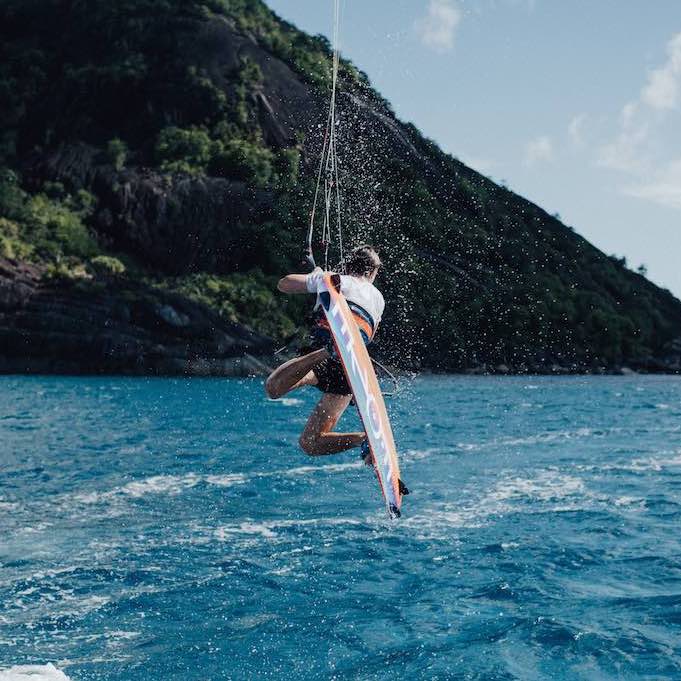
x=170 y=529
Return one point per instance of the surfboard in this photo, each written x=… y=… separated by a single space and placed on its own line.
x=361 y=376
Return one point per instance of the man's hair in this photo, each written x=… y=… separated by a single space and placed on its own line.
x=362 y=261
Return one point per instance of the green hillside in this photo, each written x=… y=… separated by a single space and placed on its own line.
x=159 y=145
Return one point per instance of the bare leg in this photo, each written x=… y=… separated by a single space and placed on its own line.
x=290 y=374
x=317 y=438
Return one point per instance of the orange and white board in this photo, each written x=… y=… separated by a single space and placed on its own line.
x=362 y=379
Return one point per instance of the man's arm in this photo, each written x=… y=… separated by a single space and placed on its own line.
x=293 y=283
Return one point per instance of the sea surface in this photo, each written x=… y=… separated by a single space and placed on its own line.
x=161 y=529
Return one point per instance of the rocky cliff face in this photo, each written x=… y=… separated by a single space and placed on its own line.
x=173 y=224
x=54 y=326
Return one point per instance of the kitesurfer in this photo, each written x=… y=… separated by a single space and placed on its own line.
x=319 y=366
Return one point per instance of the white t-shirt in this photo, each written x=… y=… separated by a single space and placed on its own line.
x=357 y=290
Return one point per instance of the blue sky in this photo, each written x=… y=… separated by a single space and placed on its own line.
x=575 y=105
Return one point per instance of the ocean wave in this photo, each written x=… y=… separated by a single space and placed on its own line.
x=290 y=401
x=656 y=464
x=262 y=529
x=664 y=459
x=177 y=484
x=47 y=672
x=61 y=602
x=120 y=500
x=547 y=486
x=226 y=480
x=325 y=468
x=418 y=454
x=269 y=529
x=286 y=401
x=159 y=484
x=537 y=438
x=626 y=501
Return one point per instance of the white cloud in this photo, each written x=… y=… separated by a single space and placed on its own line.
x=642 y=147
x=628 y=113
x=438 y=28
x=663 y=189
x=662 y=89
x=576 y=129
x=539 y=149
x=627 y=152
x=527 y=5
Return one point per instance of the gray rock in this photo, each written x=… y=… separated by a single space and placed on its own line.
x=170 y=315
x=53 y=326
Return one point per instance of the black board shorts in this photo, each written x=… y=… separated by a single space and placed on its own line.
x=329 y=373
x=331 y=377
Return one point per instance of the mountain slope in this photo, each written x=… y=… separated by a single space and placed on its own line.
x=182 y=138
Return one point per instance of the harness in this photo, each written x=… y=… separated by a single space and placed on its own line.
x=364 y=321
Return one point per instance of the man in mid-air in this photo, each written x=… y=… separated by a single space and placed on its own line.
x=319 y=366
